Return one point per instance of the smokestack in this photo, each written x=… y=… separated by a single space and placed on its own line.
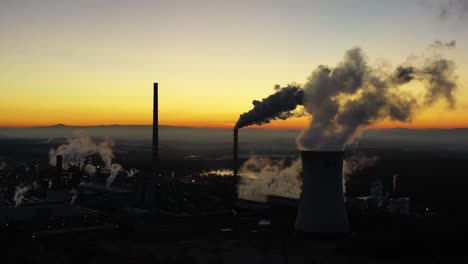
x=236 y=150
x=155 y=148
x=235 y=161
x=59 y=161
x=321 y=208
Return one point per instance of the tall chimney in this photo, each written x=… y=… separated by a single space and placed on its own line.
x=321 y=209
x=235 y=151
x=235 y=164
x=58 y=176
x=59 y=162
x=155 y=148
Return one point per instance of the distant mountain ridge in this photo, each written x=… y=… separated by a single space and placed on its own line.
x=224 y=135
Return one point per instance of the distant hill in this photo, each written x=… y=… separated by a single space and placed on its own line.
x=142 y=132
x=192 y=135
x=457 y=135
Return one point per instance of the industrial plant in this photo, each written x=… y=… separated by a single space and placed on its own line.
x=89 y=195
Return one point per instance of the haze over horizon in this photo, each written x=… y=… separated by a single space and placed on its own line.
x=94 y=63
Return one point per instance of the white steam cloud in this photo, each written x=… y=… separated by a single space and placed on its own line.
x=90 y=170
x=79 y=147
x=74 y=197
x=261 y=177
x=114 y=170
x=132 y=172
x=20 y=192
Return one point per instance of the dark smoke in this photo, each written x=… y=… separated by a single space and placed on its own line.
x=441 y=82
x=404 y=74
x=453 y=8
x=279 y=105
x=441 y=45
x=345 y=100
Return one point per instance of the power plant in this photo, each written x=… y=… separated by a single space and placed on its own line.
x=172 y=203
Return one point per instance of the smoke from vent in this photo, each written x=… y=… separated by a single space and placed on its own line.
x=441 y=45
x=74 y=194
x=261 y=177
x=453 y=8
x=20 y=192
x=81 y=146
x=279 y=105
x=132 y=172
x=3 y=165
x=90 y=169
x=343 y=101
x=114 y=170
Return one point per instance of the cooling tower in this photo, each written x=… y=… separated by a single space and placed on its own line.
x=321 y=208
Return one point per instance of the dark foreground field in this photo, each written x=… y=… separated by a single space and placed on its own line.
x=435 y=178
x=228 y=238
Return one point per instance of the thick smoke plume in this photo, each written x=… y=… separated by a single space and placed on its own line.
x=279 y=105
x=343 y=101
x=261 y=177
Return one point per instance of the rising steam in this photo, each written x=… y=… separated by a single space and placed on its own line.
x=20 y=192
x=90 y=169
x=350 y=97
x=114 y=170
x=261 y=177
x=74 y=194
x=81 y=146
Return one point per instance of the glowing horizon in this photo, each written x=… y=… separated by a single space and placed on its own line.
x=91 y=63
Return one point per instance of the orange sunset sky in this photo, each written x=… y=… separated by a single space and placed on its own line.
x=94 y=62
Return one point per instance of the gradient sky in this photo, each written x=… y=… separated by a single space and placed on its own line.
x=94 y=62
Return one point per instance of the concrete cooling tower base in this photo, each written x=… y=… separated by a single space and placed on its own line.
x=321 y=209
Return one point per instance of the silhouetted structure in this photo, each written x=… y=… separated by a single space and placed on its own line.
x=322 y=208
x=155 y=146
x=59 y=163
